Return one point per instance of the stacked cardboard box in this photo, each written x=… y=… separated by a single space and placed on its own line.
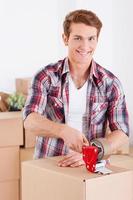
x=25 y=154
x=11 y=129
x=44 y=179
x=125 y=161
x=29 y=139
x=3 y=102
x=11 y=137
x=22 y=85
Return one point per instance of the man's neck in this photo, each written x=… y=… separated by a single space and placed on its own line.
x=79 y=74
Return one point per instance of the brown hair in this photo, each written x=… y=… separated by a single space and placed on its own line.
x=81 y=16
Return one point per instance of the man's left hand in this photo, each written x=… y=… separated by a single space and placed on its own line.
x=73 y=159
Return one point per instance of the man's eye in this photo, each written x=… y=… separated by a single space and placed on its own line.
x=91 y=38
x=77 y=38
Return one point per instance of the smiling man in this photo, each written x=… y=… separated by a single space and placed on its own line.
x=70 y=102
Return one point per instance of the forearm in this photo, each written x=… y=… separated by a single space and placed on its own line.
x=112 y=143
x=40 y=125
x=116 y=139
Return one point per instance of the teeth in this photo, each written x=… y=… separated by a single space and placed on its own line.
x=84 y=53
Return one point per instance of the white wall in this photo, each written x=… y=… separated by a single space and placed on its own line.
x=30 y=35
x=123 y=50
x=28 y=38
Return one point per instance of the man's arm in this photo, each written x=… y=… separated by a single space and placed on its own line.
x=111 y=143
x=117 y=116
x=40 y=125
x=116 y=140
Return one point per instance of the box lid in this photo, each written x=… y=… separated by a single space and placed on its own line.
x=81 y=173
x=10 y=115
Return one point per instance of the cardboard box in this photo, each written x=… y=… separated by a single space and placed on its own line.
x=9 y=190
x=26 y=154
x=9 y=163
x=43 y=179
x=22 y=85
x=122 y=161
x=29 y=139
x=11 y=129
x=3 y=102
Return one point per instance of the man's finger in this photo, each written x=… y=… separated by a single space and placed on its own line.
x=78 y=163
x=85 y=141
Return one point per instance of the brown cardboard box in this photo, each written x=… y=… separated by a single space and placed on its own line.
x=26 y=154
x=9 y=163
x=9 y=190
x=11 y=129
x=122 y=161
x=3 y=102
x=43 y=179
x=22 y=85
x=29 y=139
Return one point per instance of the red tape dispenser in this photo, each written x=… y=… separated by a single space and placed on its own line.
x=90 y=156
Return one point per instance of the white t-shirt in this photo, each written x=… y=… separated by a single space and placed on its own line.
x=77 y=105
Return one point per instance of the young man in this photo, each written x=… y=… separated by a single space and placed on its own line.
x=71 y=101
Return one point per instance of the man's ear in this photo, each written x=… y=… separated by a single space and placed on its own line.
x=65 y=39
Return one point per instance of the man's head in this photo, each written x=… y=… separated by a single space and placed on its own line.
x=81 y=31
x=81 y=16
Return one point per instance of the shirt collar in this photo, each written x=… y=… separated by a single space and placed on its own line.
x=93 y=70
x=66 y=66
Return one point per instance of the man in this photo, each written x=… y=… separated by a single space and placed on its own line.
x=71 y=101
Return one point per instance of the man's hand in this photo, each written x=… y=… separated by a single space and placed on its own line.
x=73 y=138
x=73 y=159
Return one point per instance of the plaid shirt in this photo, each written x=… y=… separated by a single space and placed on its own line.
x=49 y=96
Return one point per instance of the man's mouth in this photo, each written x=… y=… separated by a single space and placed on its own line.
x=84 y=53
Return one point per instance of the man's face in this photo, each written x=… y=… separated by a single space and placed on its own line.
x=81 y=43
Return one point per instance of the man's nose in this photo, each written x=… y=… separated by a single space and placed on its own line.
x=85 y=44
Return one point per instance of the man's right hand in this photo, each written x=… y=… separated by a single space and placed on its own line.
x=39 y=125
x=73 y=138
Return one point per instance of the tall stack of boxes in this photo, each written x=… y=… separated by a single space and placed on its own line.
x=16 y=145
x=26 y=151
x=11 y=137
x=22 y=86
